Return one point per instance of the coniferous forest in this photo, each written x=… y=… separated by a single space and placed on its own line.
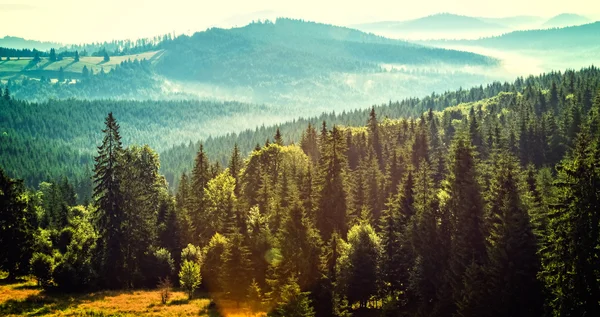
x=482 y=202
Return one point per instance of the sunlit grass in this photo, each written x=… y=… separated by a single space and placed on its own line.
x=24 y=298
x=94 y=63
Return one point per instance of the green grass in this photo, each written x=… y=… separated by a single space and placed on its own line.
x=50 y=69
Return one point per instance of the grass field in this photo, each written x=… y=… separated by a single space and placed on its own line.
x=49 y=69
x=25 y=298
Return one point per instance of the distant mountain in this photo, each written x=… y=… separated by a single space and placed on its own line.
x=290 y=49
x=565 y=19
x=582 y=36
x=517 y=22
x=436 y=22
x=20 y=43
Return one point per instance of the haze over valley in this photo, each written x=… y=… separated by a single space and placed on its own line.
x=299 y=158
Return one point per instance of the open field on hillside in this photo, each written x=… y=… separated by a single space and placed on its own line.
x=25 y=298
x=47 y=68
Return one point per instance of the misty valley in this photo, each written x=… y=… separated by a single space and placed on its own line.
x=446 y=165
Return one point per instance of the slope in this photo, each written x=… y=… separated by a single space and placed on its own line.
x=565 y=19
x=292 y=49
x=582 y=36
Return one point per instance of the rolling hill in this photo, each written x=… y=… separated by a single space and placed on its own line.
x=565 y=19
x=517 y=22
x=291 y=49
x=582 y=36
x=311 y=66
x=20 y=43
x=436 y=22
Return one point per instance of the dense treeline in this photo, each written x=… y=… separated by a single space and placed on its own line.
x=8 y=53
x=483 y=209
x=128 y=80
x=38 y=142
x=175 y=122
x=555 y=86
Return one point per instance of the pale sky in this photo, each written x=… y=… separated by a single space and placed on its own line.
x=78 y=21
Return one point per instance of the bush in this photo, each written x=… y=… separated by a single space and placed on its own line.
x=189 y=277
x=191 y=253
x=41 y=267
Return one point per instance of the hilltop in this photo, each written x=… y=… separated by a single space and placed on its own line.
x=582 y=36
x=565 y=19
x=290 y=49
x=436 y=22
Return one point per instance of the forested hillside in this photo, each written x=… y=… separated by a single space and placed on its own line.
x=286 y=50
x=580 y=37
x=303 y=65
x=485 y=205
x=177 y=128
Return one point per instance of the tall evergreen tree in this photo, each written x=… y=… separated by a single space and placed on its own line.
x=465 y=206
x=17 y=227
x=331 y=215
x=570 y=256
x=109 y=200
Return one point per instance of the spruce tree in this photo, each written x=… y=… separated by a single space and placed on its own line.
x=331 y=215
x=513 y=262
x=569 y=258
x=465 y=206
x=109 y=200
x=17 y=228
x=201 y=174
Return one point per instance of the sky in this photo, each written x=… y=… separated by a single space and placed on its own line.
x=81 y=21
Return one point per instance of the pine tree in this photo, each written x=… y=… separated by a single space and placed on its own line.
x=513 y=263
x=236 y=164
x=465 y=206
x=358 y=264
x=278 y=138
x=294 y=302
x=425 y=275
x=141 y=189
x=237 y=268
x=52 y=55
x=569 y=259
x=374 y=138
x=109 y=200
x=213 y=267
x=201 y=174
x=17 y=228
x=76 y=58
x=309 y=143
x=331 y=215
x=299 y=243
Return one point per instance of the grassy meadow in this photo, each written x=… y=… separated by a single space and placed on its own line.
x=23 y=66
x=26 y=298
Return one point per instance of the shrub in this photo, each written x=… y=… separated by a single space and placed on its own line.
x=189 y=277
x=164 y=286
x=191 y=253
x=41 y=267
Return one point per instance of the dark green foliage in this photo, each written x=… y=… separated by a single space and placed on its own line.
x=237 y=269
x=569 y=256
x=109 y=200
x=17 y=227
x=41 y=268
x=474 y=225
x=358 y=265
